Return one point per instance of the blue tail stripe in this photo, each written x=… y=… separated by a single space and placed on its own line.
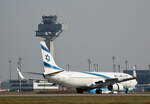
x=45 y=49
x=99 y=75
x=51 y=66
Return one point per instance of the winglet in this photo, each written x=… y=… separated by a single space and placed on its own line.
x=20 y=74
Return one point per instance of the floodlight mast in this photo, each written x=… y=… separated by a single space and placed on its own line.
x=49 y=29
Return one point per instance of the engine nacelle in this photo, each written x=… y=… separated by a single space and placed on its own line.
x=115 y=87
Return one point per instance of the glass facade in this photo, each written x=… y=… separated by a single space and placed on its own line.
x=143 y=76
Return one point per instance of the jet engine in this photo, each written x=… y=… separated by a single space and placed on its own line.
x=115 y=87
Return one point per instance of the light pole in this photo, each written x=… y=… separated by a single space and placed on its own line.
x=68 y=66
x=19 y=63
x=89 y=61
x=10 y=68
x=95 y=67
x=126 y=63
x=119 y=67
x=149 y=67
x=114 y=67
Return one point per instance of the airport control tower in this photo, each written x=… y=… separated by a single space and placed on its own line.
x=49 y=29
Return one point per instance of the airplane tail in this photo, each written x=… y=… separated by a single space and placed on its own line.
x=50 y=66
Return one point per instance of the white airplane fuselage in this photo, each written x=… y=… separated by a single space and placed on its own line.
x=86 y=79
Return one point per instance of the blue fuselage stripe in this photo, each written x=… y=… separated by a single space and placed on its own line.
x=51 y=66
x=96 y=74
x=45 y=49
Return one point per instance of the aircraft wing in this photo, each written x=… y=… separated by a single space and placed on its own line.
x=100 y=84
x=111 y=81
x=127 y=79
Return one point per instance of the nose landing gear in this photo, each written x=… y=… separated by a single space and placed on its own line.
x=98 y=91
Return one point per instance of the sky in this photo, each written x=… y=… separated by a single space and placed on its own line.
x=97 y=29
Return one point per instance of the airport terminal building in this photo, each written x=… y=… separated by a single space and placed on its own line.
x=143 y=79
x=28 y=85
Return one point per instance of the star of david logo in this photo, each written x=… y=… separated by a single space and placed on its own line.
x=47 y=57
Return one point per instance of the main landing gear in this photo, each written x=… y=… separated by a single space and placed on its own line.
x=126 y=91
x=79 y=90
x=98 y=91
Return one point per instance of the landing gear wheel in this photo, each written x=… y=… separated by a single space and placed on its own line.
x=98 y=91
x=126 y=91
x=79 y=90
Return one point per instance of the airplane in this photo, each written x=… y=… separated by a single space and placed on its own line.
x=82 y=81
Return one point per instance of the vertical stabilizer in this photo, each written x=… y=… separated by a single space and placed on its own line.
x=48 y=61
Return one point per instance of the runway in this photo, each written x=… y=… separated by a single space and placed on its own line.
x=72 y=95
x=75 y=99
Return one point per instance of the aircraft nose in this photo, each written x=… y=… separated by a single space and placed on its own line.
x=135 y=81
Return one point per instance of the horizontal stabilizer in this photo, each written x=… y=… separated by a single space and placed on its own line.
x=34 y=73
x=23 y=78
